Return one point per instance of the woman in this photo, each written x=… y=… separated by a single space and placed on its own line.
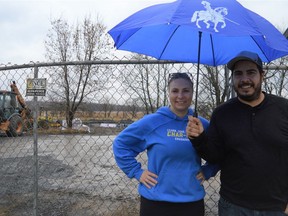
x=172 y=183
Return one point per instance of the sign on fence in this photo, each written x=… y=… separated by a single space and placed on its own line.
x=36 y=87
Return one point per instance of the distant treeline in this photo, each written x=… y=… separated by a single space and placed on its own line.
x=86 y=107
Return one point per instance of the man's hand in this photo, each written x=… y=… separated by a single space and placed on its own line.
x=194 y=127
x=148 y=179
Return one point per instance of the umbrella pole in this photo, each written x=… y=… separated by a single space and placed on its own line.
x=197 y=76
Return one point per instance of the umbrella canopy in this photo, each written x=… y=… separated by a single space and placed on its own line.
x=209 y=32
x=171 y=32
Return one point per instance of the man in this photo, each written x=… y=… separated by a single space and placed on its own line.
x=248 y=137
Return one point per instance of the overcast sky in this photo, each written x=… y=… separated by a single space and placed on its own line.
x=24 y=24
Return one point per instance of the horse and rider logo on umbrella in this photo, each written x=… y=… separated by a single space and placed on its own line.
x=216 y=15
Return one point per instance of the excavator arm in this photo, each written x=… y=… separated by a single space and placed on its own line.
x=25 y=112
x=20 y=99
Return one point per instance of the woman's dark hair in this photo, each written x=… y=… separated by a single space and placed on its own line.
x=178 y=75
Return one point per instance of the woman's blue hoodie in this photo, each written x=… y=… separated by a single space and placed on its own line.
x=170 y=156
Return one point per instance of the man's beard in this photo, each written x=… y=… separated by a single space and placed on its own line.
x=251 y=97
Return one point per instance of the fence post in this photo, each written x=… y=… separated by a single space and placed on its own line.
x=35 y=155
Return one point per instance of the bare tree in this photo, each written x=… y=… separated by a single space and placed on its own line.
x=147 y=83
x=133 y=108
x=275 y=81
x=84 y=42
x=215 y=88
x=107 y=106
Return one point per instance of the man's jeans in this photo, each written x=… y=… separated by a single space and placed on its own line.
x=228 y=209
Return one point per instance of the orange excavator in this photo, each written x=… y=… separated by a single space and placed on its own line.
x=15 y=116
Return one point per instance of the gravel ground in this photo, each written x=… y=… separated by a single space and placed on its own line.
x=77 y=175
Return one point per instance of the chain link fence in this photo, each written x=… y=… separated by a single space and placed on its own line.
x=64 y=167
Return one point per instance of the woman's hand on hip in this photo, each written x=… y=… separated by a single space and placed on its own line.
x=201 y=177
x=286 y=210
x=148 y=179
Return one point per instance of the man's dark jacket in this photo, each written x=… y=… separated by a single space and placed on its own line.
x=251 y=146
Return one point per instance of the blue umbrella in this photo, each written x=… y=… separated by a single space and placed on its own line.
x=205 y=32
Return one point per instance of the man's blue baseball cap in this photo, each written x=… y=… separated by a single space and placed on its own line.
x=245 y=56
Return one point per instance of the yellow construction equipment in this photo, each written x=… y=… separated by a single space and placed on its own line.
x=15 y=116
